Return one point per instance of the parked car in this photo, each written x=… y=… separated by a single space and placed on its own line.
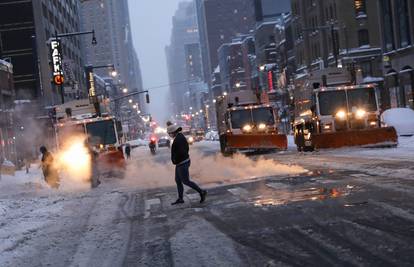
x=199 y=135
x=212 y=136
x=164 y=142
x=402 y=119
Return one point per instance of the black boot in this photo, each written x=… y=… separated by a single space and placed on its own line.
x=203 y=195
x=178 y=201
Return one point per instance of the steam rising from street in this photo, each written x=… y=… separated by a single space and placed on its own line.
x=145 y=172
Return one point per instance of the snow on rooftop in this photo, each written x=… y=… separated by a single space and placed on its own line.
x=217 y=69
x=370 y=79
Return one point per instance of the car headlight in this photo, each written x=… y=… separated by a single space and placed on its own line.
x=191 y=139
x=262 y=126
x=341 y=115
x=360 y=113
x=247 y=128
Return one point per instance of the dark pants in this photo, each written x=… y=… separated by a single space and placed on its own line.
x=182 y=176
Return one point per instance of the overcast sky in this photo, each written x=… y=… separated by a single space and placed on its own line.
x=151 y=22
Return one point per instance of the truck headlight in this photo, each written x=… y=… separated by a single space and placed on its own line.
x=247 y=128
x=327 y=126
x=341 y=115
x=262 y=127
x=360 y=113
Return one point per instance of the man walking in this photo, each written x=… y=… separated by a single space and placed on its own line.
x=181 y=159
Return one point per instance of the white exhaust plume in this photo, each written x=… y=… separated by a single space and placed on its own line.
x=144 y=172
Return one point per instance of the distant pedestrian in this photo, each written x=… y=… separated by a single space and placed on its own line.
x=49 y=169
x=27 y=164
x=181 y=159
x=128 y=151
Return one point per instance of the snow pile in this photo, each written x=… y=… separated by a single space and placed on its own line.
x=401 y=118
x=145 y=172
x=33 y=184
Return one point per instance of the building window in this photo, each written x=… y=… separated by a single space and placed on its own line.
x=363 y=37
x=403 y=23
x=388 y=27
x=360 y=7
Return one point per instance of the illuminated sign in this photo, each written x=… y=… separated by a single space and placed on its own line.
x=92 y=91
x=55 y=48
x=270 y=80
x=90 y=84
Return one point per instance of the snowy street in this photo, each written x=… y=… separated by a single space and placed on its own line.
x=343 y=207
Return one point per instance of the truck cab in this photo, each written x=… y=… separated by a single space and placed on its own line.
x=336 y=113
x=245 y=123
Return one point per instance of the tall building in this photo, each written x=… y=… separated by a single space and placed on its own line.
x=219 y=22
x=235 y=65
x=270 y=9
x=6 y=104
x=337 y=33
x=193 y=61
x=397 y=36
x=25 y=28
x=184 y=39
x=110 y=20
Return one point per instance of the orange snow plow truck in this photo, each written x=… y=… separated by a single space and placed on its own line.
x=244 y=123
x=332 y=112
x=77 y=123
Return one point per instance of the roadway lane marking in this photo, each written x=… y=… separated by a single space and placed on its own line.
x=195 y=196
x=360 y=175
x=278 y=186
x=238 y=191
x=148 y=204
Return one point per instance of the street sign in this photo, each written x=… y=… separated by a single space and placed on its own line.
x=56 y=55
x=90 y=83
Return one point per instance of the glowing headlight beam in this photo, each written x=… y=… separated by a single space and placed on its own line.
x=262 y=126
x=360 y=113
x=247 y=128
x=341 y=115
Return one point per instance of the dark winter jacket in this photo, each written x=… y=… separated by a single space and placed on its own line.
x=128 y=150
x=179 y=149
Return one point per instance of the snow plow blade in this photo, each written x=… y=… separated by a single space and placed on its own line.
x=111 y=161
x=257 y=141
x=378 y=137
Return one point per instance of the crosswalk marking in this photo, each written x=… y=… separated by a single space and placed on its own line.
x=194 y=196
x=358 y=175
x=277 y=186
x=148 y=204
x=238 y=191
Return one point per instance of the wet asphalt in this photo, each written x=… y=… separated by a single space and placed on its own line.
x=324 y=217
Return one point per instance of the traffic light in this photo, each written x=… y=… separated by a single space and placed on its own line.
x=147 y=97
